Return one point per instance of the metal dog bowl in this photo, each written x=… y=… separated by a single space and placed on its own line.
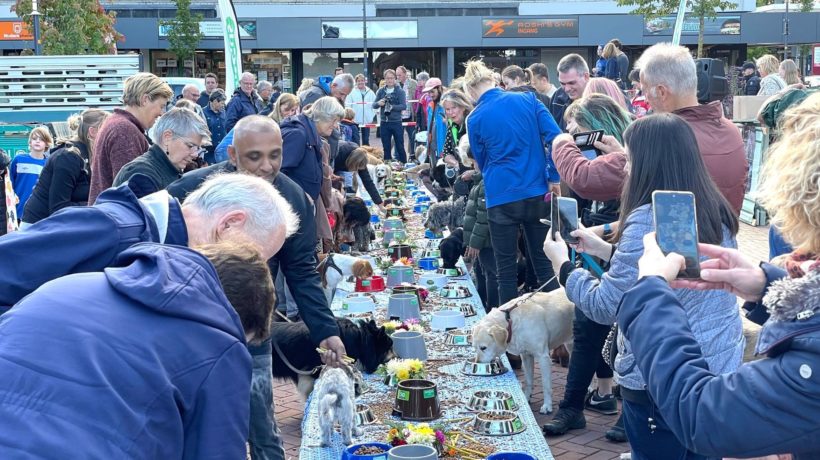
x=494 y=367
x=467 y=309
x=454 y=271
x=498 y=423
x=459 y=338
x=364 y=416
x=488 y=400
x=455 y=291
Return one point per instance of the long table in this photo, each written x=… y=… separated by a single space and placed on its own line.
x=444 y=367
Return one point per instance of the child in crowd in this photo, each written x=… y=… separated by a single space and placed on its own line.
x=640 y=106
x=349 y=127
x=26 y=167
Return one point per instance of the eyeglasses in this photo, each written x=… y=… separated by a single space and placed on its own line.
x=194 y=147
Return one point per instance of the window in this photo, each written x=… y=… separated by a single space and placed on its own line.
x=375 y=29
x=167 y=13
x=418 y=12
x=392 y=12
x=144 y=13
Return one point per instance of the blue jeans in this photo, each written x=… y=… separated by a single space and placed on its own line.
x=777 y=245
x=505 y=221
x=264 y=437
x=657 y=444
x=392 y=133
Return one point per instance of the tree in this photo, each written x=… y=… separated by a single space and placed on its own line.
x=701 y=9
x=72 y=27
x=184 y=33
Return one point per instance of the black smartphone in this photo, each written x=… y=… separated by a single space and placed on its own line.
x=676 y=227
x=553 y=215
x=586 y=142
x=567 y=218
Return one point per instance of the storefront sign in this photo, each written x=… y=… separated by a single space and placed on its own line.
x=14 y=30
x=213 y=29
x=721 y=25
x=352 y=30
x=563 y=27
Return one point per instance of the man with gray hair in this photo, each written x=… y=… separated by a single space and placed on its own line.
x=257 y=151
x=670 y=83
x=85 y=239
x=264 y=105
x=243 y=101
x=339 y=87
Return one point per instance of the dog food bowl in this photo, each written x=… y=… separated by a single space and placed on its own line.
x=412 y=452
x=358 y=305
x=489 y=400
x=428 y=263
x=392 y=235
x=408 y=289
x=431 y=253
x=431 y=235
x=432 y=281
x=409 y=345
x=430 y=243
x=398 y=274
x=417 y=400
x=397 y=251
x=453 y=271
x=494 y=367
x=364 y=416
x=373 y=284
x=459 y=338
x=392 y=192
x=510 y=456
x=393 y=202
x=350 y=452
x=422 y=199
x=467 y=309
x=403 y=307
x=498 y=423
x=444 y=320
x=395 y=212
x=455 y=291
x=392 y=223
x=420 y=208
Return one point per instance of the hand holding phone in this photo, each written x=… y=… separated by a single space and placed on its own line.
x=676 y=227
x=586 y=143
x=567 y=219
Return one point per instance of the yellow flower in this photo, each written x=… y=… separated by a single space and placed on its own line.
x=403 y=374
x=416 y=365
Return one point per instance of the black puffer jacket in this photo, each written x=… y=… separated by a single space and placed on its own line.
x=5 y=160
x=476 y=222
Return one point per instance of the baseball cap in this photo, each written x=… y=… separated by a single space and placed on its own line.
x=749 y=65
x=431 y=83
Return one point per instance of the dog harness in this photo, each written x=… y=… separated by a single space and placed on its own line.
x=518 y=302
x=324 y=265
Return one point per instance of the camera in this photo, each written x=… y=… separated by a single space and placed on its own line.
x=388 y=105
x=450 y=172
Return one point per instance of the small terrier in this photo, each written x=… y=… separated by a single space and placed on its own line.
x=336 y=393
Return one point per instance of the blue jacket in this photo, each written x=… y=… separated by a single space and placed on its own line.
x=240 y=106
x=397 y=98
x=611 y=69
x=216 y=125
x=221 y=151
x=127 y=368
x=508 y=131
x=319 y=89
x=82 y=239
x=769 y=406
x=713 y=315
x=302 y=154
x=436 y=120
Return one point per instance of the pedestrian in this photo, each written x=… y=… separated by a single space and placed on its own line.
x=771 y=82
x=789 y=73
x=517 y=79
x=217 y=118
x=405 y=80
x=611 y=68
x=540 y=80
x=122 y=135
x=390 y=102
x=66 y=177
x=669 y=76
x=211 y=85
x=193 y=394
x=338 y=86
x=457 y=107
x=264 y=105
x=436 y=121
x=7 y=198
x=623 y=63
x=507 y=133
x=751 y=81
x=573 y=75
x=243 y=102
x=287 y=105
x=361 y=100
x=663 y=155
x=353 y=159
x=600 y=63
x=349 y=127
x=26 y=168
x=422 y=101
x=277 y=91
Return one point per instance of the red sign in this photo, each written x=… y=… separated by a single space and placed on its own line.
x=14 y=30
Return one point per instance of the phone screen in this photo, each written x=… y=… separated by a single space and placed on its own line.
x=677 y=228
x=553 y=215
x=568 y=218
x=586 y=142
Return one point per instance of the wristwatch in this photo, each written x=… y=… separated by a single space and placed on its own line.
x=607 y=229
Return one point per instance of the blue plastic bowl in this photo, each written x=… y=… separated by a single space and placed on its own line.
x=420 y=208
x=430 y=235
x=374 y=218
x=422 y=199
x=349 y=455
x=428 y=263
x=510 y=456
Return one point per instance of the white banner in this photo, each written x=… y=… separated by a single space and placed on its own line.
x=233 y=50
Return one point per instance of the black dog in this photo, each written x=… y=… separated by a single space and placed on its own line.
x=364 y=341
x=452 y=248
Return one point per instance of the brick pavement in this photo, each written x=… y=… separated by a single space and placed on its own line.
x=589 y=443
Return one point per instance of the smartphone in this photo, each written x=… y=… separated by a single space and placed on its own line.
x=553 y=216
x=567 y=218
x=676 y=228
x=586 y=142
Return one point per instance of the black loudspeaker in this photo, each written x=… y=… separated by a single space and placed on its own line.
x=712 y=82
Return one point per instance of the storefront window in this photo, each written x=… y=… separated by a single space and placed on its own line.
x=414 y=60
x=272 y=66
x=317 y=64
x=497 y=58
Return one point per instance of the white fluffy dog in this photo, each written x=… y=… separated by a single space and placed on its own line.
x=336 y=393
x=537 y=325
x=336 y=267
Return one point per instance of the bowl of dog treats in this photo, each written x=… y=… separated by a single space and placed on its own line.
x=486 y=400
x=498 y=423
x=490 y=369
x=455 y=291
x=450 y=271
x=368 y=451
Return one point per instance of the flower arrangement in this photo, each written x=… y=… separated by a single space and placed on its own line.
x=397 y=370
x=411 y=324
x=423 y=433
x=408 y=261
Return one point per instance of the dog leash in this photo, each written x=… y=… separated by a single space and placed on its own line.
x=523 y=298
x=289 y=365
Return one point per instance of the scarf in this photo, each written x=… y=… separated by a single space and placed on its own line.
x=11 y=203
x=799 y=264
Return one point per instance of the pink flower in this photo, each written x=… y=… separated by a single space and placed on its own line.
x=440 y=437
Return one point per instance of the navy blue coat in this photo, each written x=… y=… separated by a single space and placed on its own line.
x=769 y=406
x=240 y=106
x=145 y=360
x=216 y=125
x=302 y=154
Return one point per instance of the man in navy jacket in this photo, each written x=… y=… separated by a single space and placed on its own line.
x=243 y=102
x=117 y=364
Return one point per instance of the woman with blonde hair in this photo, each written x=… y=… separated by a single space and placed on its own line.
x=507 y=133
x=456 y=107
x=66 y=178
x=775 y=400
x=287 y=105
x=771 y=82
x=789 y=72
x=610 y=54
x=607 y=87
x=122 y=137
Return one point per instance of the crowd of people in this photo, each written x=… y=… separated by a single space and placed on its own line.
x=228 y=204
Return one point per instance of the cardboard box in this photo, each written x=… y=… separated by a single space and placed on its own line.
x=745 y=108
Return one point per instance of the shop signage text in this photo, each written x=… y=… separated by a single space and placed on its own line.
x=213 y=29
x=721 y=25
x=563 y=27
x=14 y=30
